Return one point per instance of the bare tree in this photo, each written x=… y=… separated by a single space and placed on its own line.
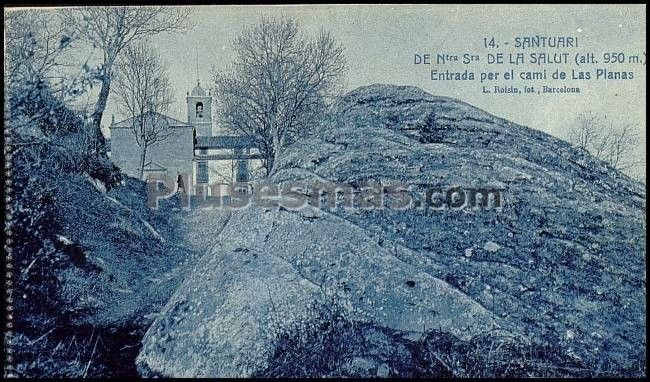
x=143 y=91
x=605 y=140
x=35 y=47
x=622 y=142
x=112 y=29
x=280 y=84
x=34 y=43
x=586 y=131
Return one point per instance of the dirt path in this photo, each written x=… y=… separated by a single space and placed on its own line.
x=200 y=228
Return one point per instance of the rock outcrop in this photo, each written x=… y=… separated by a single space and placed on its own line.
x=561 y=263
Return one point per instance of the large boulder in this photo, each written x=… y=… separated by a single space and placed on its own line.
x=560 y=264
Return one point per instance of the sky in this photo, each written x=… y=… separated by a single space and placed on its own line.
x=381 y=40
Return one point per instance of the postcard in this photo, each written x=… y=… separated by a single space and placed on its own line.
x=364 y=191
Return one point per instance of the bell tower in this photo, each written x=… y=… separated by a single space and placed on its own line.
x=199 y=110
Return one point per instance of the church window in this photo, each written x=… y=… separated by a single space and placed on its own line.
x=199 y=110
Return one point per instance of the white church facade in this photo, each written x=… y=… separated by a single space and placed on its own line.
x=206 y=158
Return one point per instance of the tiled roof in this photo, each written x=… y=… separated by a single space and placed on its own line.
x=198 y=91
x=223 y=142
x=128 y=123
x=154 y=166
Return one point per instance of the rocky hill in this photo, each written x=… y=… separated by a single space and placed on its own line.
x=92 y=262
x=560 y=265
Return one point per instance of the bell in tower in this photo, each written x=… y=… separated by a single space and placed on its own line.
x=199 y=110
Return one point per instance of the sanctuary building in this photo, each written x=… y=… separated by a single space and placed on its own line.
x=194 y=149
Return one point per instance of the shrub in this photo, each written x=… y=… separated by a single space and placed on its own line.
x=332 y=345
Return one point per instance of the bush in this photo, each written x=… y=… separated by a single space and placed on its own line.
x=48 y=146
x=46 y=133
x=48 y=142
x=331 y=345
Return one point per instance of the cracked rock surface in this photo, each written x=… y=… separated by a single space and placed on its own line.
x=561 y=263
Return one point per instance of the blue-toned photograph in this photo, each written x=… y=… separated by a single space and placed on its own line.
x=325 y=191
